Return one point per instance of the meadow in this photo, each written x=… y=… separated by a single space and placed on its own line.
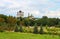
x=18 y=35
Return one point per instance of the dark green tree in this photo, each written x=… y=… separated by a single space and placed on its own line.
x=26 y=22
x=41 y=30
x=16 y=29
x=44 y=17
x=35 y=29
x=21 y=29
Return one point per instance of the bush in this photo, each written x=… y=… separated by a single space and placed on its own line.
x=53 y=30
x=1 y=30
x=28 y=30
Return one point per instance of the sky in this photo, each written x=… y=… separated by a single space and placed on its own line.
x=37 y=8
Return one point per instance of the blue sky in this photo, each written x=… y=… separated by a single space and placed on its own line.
x=38 y=8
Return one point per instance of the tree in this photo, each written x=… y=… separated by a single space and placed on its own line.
x=32 y=22
x=26 y=22
x=52 y=22
x=11 y=22
x=44 y=17
x=41 y=30
x=16 y=29
x=44 y=20
x=21 y=29
x=35 y=29
x=2 y=22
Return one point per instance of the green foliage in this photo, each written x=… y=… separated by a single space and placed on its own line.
x=53 y=30
x=44 y=17
x=16 y=29
x=1 y=30
x=46 y=26
x=35 y=29
x=18 y=22
x=29 y=22
x=21 y=29
x=2 y=20
x=3 y=16
x=41 y=30
x=9 y=23
x=11 y=20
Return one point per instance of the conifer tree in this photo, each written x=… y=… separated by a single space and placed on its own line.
x=35 y=29
x=21 y=29
x=16 y=29
x=41 y=30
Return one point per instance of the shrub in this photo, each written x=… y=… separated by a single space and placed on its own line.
x=53 y=30
x=28 y=30
x=1 y=30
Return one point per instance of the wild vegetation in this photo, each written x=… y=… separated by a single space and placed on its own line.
x=42 y=25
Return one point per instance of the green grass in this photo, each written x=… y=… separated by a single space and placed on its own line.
x=17 y=35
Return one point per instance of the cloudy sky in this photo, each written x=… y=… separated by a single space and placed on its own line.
x=38 y=8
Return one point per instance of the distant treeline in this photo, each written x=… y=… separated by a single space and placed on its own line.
x=13 y=21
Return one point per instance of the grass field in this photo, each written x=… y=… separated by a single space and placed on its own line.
x=17 y=35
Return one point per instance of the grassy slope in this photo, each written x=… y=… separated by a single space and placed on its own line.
x=14 y=35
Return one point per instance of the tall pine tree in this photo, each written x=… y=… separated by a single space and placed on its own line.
x=41 y=30
x=35 y=29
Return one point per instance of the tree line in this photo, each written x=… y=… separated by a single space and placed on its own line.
x=10 y=23
x=13 y=21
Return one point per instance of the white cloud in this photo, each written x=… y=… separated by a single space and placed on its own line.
x=52 y=14
x=43 y=1
x=31 y=6
x=21 y=3
x=2 y=4
x=35 y=12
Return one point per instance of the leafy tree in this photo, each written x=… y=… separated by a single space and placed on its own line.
x=26 y=22
x=11 y=22
x=44 y=17
x=2 y=21
x=32 y=22
x=3 y=16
